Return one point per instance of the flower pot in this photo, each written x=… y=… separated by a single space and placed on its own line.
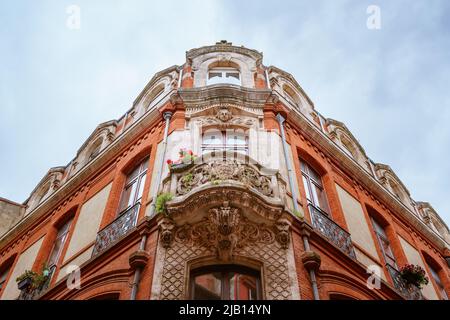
x=24 y=283
x=180 y=167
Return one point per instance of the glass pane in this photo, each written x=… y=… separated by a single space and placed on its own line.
x=208 y=286
x=214 y=75
x=235 y=138
x=3 y=276
x=127 y=196
x=144 y=164
x=141 y=187
x=306 y=186
x=242 y=287
x=54 y=255
x=133 y=174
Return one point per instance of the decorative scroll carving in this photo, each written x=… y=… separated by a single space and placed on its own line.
x=224 y=170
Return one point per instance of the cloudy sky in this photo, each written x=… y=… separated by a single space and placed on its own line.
x=389 y=86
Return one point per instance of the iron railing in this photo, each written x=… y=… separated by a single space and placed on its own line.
x=332 y=231
x=116 y=230
x=408 y=291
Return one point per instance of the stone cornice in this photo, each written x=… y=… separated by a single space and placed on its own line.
x=333 y=151
x=71 y=185
x=223 y=47
x=224 y=94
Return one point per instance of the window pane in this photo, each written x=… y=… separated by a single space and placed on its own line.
x=3 y=276
x=306 y=186
x=54 y=255
x=141 y=187
x=208 y=286
x=242 y=287
x=128 y=196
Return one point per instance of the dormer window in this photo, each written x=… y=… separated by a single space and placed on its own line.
x=224 y=75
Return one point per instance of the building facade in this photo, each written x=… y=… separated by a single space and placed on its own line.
x=222 y=181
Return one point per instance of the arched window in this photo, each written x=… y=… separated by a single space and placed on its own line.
x=134 y=186
x=315 y=193
x=95 y=149
x=290 y=95
x=215 y=140
x=225 y=282
x=228 y=75
x=152 y=99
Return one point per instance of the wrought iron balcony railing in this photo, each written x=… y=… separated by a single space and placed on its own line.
x=332 y=231
x=408 y=291
x=116 y=230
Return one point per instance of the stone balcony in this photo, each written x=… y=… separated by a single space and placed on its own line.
x=185 y=180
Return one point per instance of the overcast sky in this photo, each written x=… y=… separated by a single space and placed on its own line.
x=389 y=86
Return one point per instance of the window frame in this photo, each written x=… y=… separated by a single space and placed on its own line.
x=227 y=272
x=437 y=279
x=224 y=146
x=380 y=233
x=223 y=76
x=63 y=233
x=139 y=180
x=310 y=178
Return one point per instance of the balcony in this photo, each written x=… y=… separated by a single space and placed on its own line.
x=116 y=230
x=330 y=230
x=408 y=291
x=234 y=169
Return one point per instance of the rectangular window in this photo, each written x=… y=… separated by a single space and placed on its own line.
x=439 y=283
x=3 y=276
x=58 y=245
x=384 y=244
x=134 y=186
x=312 y=182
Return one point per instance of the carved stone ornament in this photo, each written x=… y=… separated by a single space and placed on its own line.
x=225 y=231
x=166 y=227
x=224 y=114
x=224 y=170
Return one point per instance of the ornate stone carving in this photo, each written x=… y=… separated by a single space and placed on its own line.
x=166 y=228
x=224 y=170
x=282 y=236
x=224 y=114
x=226 y=231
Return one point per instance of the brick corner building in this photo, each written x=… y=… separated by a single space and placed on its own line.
x=222 y=181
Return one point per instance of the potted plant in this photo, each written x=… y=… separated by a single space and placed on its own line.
x=414 y=275
x=186 y=160
x=26 y=279
x=30 y=279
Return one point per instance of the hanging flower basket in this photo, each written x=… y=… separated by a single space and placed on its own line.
x=186 y=160
x=414 y=275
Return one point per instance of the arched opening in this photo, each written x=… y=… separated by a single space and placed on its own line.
x=106 y=296
x=152 y=98
x=290 y=95
x=95 y=149
x=223 y=72
x=225 y=282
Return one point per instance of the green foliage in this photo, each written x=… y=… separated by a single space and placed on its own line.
x=37 y=279
x=187 y=178
x=161 y=202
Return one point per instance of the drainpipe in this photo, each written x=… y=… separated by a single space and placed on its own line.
x=138 y=271
x=267 y=79
x=288 y=162
x=167 y=116
x=312 y=272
